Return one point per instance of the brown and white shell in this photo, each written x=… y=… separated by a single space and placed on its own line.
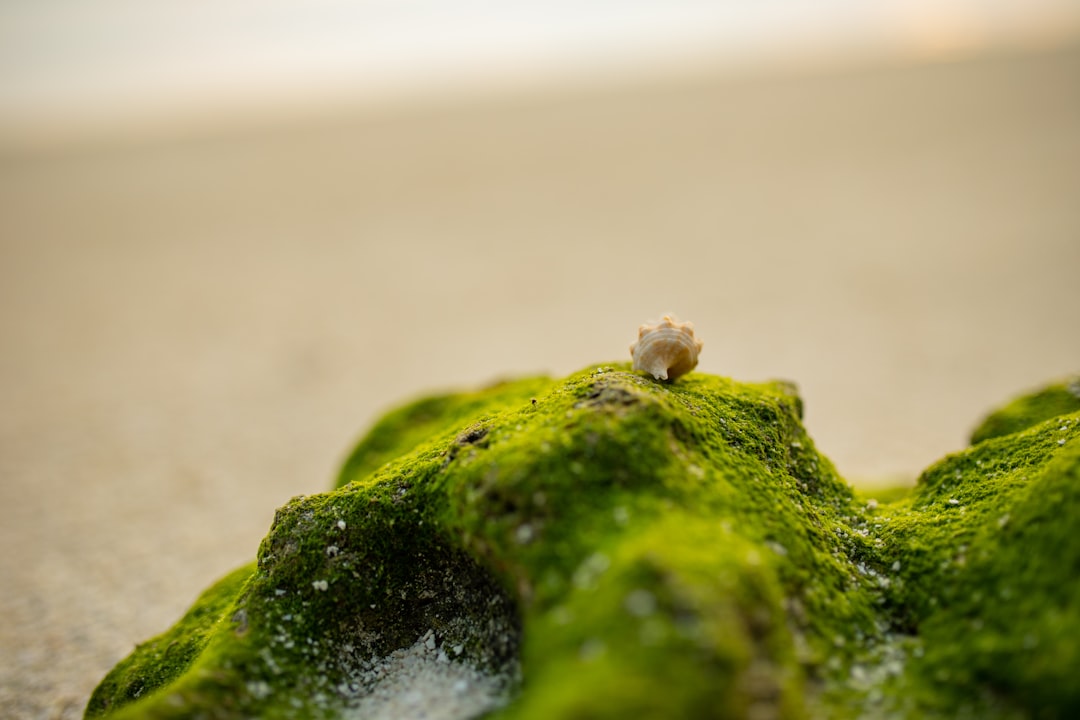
x=667 y=350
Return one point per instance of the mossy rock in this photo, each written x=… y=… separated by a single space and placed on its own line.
x=611 y=546
x=1059 y=398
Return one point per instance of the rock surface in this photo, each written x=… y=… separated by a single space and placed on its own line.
x=612 y=546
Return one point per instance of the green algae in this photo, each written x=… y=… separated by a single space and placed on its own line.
x=989 y=574
x=402 y=430
x=161 y=661
x=1059 y=398
x=615 y=546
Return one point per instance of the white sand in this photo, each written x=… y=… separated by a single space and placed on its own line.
x=427 y=682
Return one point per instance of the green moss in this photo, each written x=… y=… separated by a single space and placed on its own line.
x=162 y=660
x=645 y=549
x=1057 y=399
x=990 y=572
x=425 y=419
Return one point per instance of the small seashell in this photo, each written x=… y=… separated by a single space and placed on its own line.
x=667 y=350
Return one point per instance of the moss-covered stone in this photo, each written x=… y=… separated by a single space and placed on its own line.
x=611 y=546
x=1060 y=398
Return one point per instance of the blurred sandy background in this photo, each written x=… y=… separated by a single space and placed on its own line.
x=217 y=267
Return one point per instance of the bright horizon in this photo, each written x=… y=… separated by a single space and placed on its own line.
x=70 y=70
